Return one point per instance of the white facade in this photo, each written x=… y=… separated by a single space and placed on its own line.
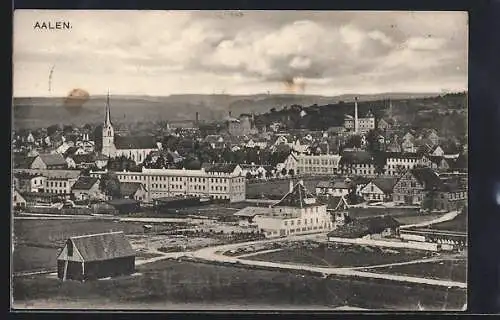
x=372 y=192
x=396 y=165
x=172 y=182
x=288 y=221
x=59 y=185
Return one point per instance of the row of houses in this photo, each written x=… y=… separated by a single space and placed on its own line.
x=417 y=187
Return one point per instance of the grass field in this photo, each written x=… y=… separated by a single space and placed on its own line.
x=37 y=241
x=187 y=282
x=341 y=256
x=457 y=224
x=455 y=270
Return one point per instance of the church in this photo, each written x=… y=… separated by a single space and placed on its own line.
x=135 y=148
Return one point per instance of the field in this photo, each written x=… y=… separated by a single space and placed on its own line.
x=455 y=270
x=37 y=241
x=187 y=282
x=341 y=256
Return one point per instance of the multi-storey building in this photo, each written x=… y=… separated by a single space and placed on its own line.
x=296 y=213
x=414 y=184
x=216 y=181
x=59 y=185
x=323 y=164
x=397 y=163
x=357 y=162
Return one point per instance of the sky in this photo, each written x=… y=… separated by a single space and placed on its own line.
x=239 y=52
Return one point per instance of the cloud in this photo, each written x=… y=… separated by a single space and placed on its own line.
x=169 y=52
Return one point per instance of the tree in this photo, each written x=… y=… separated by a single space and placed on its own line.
x=248 y=176
x=291 y=172
x=283 y=172
x=110 y=185
x=53 y=129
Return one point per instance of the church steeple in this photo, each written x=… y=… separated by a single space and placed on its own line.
x=107 y=120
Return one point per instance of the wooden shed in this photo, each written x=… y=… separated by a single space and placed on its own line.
x=96 y=256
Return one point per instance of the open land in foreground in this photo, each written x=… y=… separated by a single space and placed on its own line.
x=170 y=281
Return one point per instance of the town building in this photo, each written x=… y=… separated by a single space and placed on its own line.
x=59 y=185
x=96 y=256
x=333 y=188
x=359 y=125
x=372 y=228
x=28 y=182
x=86 y=188
x=216 y=181
x=357 y=162
x=379 y=189
x=398 y=163
x=135 y=148
x=412 y=186
x=323 y=164
x=133 y=190
x=18 y=200
x=298 y=212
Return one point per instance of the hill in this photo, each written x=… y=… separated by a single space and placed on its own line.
x=33 y=112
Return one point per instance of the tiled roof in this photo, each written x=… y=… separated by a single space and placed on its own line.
x=52 y=159
x=104 y=246
x=385 y=184
x=84 y=183
x=83 y=158
x=26 y=175
x=356 y=157
x=220 y=167
x=427 y=177
x=21 y=162
x=135 y=142
x=129 y=188
x=298 y=197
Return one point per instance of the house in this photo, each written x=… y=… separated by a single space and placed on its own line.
x=298 y=212
x=133 y=190
x=433 y=137
x=380 y=189
x=101 y=161
x=287 y=164
x=396 y=163
x=408 y=146
x=27 y=162
x=81 y=161
x=87 y=188
x=96 y=256
x=50 y=161
x=60 y=185
x=372 y=227
x=437 y=152
x=412 y=186
x=215 y=141
x=338 y=209
x=357 y=162
x=333 y=188
x=451 y=195
x=255 y=171
x=382 y=125
x=18 y=200
x=29 y=182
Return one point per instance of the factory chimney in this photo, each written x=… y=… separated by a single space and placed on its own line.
x=197 y=117
x=356 y=124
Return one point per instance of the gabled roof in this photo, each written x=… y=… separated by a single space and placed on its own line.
x=135 y=142
x=129 y=188
x=83 y=158
x=380 y=223
x=26 y=175
x=219 y=167
x=84 y=183
x=298 y=197
x=103 y=246
x=356 y=157
x=336 y=203
x=22 y=162
x=426 y=177
x=385 y=184
x=52 y=159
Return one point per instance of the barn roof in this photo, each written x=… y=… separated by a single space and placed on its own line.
x=427 y=177
x=129 y=188
x=298 y=197
x=84 y=183
x=52 y=159
x=385 y=184
x=103 y=246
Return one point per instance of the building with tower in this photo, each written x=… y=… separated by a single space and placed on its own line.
x=135 y=148
x=359 y=125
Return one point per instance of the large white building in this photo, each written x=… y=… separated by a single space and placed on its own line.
x=323 y=164
x=217 y=181
x=359 y=125
x=295 y=214
x=135 y=148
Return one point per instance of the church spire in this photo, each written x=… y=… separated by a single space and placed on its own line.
x=107 y=120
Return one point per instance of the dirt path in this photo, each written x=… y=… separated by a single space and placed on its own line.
x=446 y=217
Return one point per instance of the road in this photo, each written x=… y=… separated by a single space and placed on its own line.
x=445 y=217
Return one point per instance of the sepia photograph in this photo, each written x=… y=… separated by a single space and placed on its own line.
x=239 y=160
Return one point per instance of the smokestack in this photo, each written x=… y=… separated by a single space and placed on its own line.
x=291 y=186
x=229 y=112
x=197 y=117
x=356 y=125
